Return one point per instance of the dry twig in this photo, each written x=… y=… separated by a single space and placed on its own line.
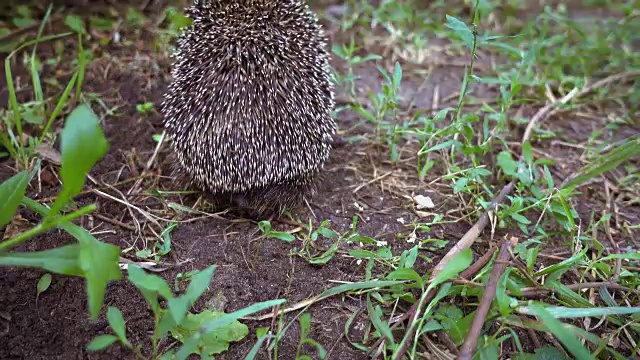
x=471 y=340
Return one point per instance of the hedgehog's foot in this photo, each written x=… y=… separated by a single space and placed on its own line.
x=246 y=204
x=272 y=201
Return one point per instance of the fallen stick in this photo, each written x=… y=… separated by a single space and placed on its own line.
x=471 y=340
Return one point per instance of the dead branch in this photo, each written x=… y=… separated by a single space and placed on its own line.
x=500 y=265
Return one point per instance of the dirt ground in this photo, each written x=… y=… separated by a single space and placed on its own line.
x=56 y=325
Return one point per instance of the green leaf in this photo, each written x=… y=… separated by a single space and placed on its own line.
x=527 y=152
x=280 y=235
x=565 y=312
x=521 y=219
x=461 y=30
x=178 y=308
x=326 y=256
x=101 y=342
x=460 y=184
x=606 y=162
x=82 y=144
x=11 y=192
x=562 y=333
x=116 y=321
x=406 y=274
x=326 y=232
x=489 y=350
x=62 y=260
x=506 y=163
x=397 y=76
x=561 y=265
x=504 y=301
x=458 y=263
x=43 y=284
x=98 y=261
x=264 y=226
x=375 y=314
x=212 y=342
x=199 y=283
x=149 y=282
x=254 y=350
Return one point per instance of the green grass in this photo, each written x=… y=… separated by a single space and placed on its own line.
x=515 y=62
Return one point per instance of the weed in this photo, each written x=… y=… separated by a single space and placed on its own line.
x=145 y=108
x=82 y=145
x=205 y=334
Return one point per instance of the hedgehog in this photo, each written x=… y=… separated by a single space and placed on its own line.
x=249 y=106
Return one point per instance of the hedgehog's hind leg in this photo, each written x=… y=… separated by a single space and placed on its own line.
x=246 y=203
x=272 y=201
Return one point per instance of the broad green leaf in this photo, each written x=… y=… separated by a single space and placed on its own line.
x=408 y=258
x=116 y=321
x=458 y=263
x=305 y=325
x=504 y=301
x=62 y=260
x=561 y=332
x=212 y=342
x=99 y=262
x=406 y=274
x=190 y=346
x=11 y=192
x=506 y=163
x=101 y=342
x=461 y=30
x=489 y=350
x=82 y=144
x=149 y=282
x=264 y=226
x=199 y=283
x=75 y=23
x=326 y=232
x=521 y=219
x=178 y=308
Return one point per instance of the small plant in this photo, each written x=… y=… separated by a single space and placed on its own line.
x=20 y=145
x=174 y=21
x=305 y=329
x=145 y=108
x=267 y=233
x=82 y=145
x=206 y=333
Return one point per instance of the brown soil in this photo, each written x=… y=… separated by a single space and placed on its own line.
x=56 y=326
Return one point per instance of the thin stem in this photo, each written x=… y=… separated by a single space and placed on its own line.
x=45 y=226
